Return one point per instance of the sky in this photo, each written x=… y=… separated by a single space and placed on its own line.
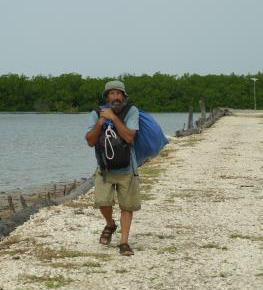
x=107 y=38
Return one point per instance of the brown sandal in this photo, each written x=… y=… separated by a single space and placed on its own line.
x=125 y=250
x=107 y=233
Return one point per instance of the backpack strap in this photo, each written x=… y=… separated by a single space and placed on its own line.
x=101 y=158
x=123 y=113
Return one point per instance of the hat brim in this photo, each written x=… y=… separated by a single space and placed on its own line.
x=104 y=95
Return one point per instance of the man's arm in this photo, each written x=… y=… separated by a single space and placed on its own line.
x=93 y=135
x=126 y=133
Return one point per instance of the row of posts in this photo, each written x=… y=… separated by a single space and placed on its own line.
x=191 y=113
x=66 y=191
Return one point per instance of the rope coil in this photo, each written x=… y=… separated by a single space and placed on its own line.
x=109 y=133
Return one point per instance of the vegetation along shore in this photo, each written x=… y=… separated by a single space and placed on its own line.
x=72 y=93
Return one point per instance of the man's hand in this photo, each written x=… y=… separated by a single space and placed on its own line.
x=107 y=114
x=126 y=134
x=93 y=135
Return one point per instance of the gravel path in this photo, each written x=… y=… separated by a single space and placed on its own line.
x=200 y=226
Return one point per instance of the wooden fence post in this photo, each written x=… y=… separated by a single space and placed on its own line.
x=190 y=118
x=10 y=203
x=23 y=202
x=203 y=113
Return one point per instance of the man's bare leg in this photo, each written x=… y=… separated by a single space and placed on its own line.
x=107 y=214
x=126 y=220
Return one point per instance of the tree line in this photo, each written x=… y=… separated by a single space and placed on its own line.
x=72 y=93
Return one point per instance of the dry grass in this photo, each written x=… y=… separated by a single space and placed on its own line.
x=166 y=152
x=77 y=204
x=47 y=254
x=91 y=264
x=147 y=196
x=148 y=177
x=96 y=271
x=223 y=274
x=182 y=194
x=64 y=265
x=170 y=250
x=121 y=271
x=146 y=180
x=146 y=187
x=247 y=237
x=191 y=141
x=49 y=282
x=9 y=241
x=179 y=226
x=213 y=246
x=145 y=234
x=13 y=240
x=151 y=172
x=139 y=248
x=152 y=235
x=13 y=252
x=162 y=237
x=39 y=221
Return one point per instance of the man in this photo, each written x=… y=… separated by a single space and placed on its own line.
x=124 y=179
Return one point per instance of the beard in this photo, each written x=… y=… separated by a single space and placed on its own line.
x=117 y=105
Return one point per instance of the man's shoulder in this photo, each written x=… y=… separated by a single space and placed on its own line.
x=93 y=117
x=133 y=110
x=133 y=107
x=132 y=118
x=94 y=113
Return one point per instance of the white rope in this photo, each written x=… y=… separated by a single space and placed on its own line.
x=109 y=133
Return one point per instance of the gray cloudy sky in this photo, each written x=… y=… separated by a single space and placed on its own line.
x=100 y=38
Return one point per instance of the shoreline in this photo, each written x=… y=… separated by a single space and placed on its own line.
x=34 y=194
x=249 y=111
x=40 y=187
x=57 y=113
x=77 y=113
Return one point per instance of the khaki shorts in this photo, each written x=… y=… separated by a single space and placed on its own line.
x=126 y=186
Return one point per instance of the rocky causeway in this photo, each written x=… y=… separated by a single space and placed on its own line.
x=200 y=226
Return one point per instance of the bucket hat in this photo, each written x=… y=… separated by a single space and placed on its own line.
x=114 y=85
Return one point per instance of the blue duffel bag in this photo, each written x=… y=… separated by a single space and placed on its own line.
x=149 y=140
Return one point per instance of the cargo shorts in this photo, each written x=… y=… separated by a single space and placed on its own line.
x=125 y=185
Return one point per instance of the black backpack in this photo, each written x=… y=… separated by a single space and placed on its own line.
x=112 y=151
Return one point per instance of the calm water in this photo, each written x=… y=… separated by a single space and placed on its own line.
x=36 y=149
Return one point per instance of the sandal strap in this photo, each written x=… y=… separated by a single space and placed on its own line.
x=107 y=232
x=125 y=248
x=110 y=229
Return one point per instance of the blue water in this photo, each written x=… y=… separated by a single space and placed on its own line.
x=37 y=149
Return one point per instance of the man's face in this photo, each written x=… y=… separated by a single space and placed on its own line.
x=115 y=99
